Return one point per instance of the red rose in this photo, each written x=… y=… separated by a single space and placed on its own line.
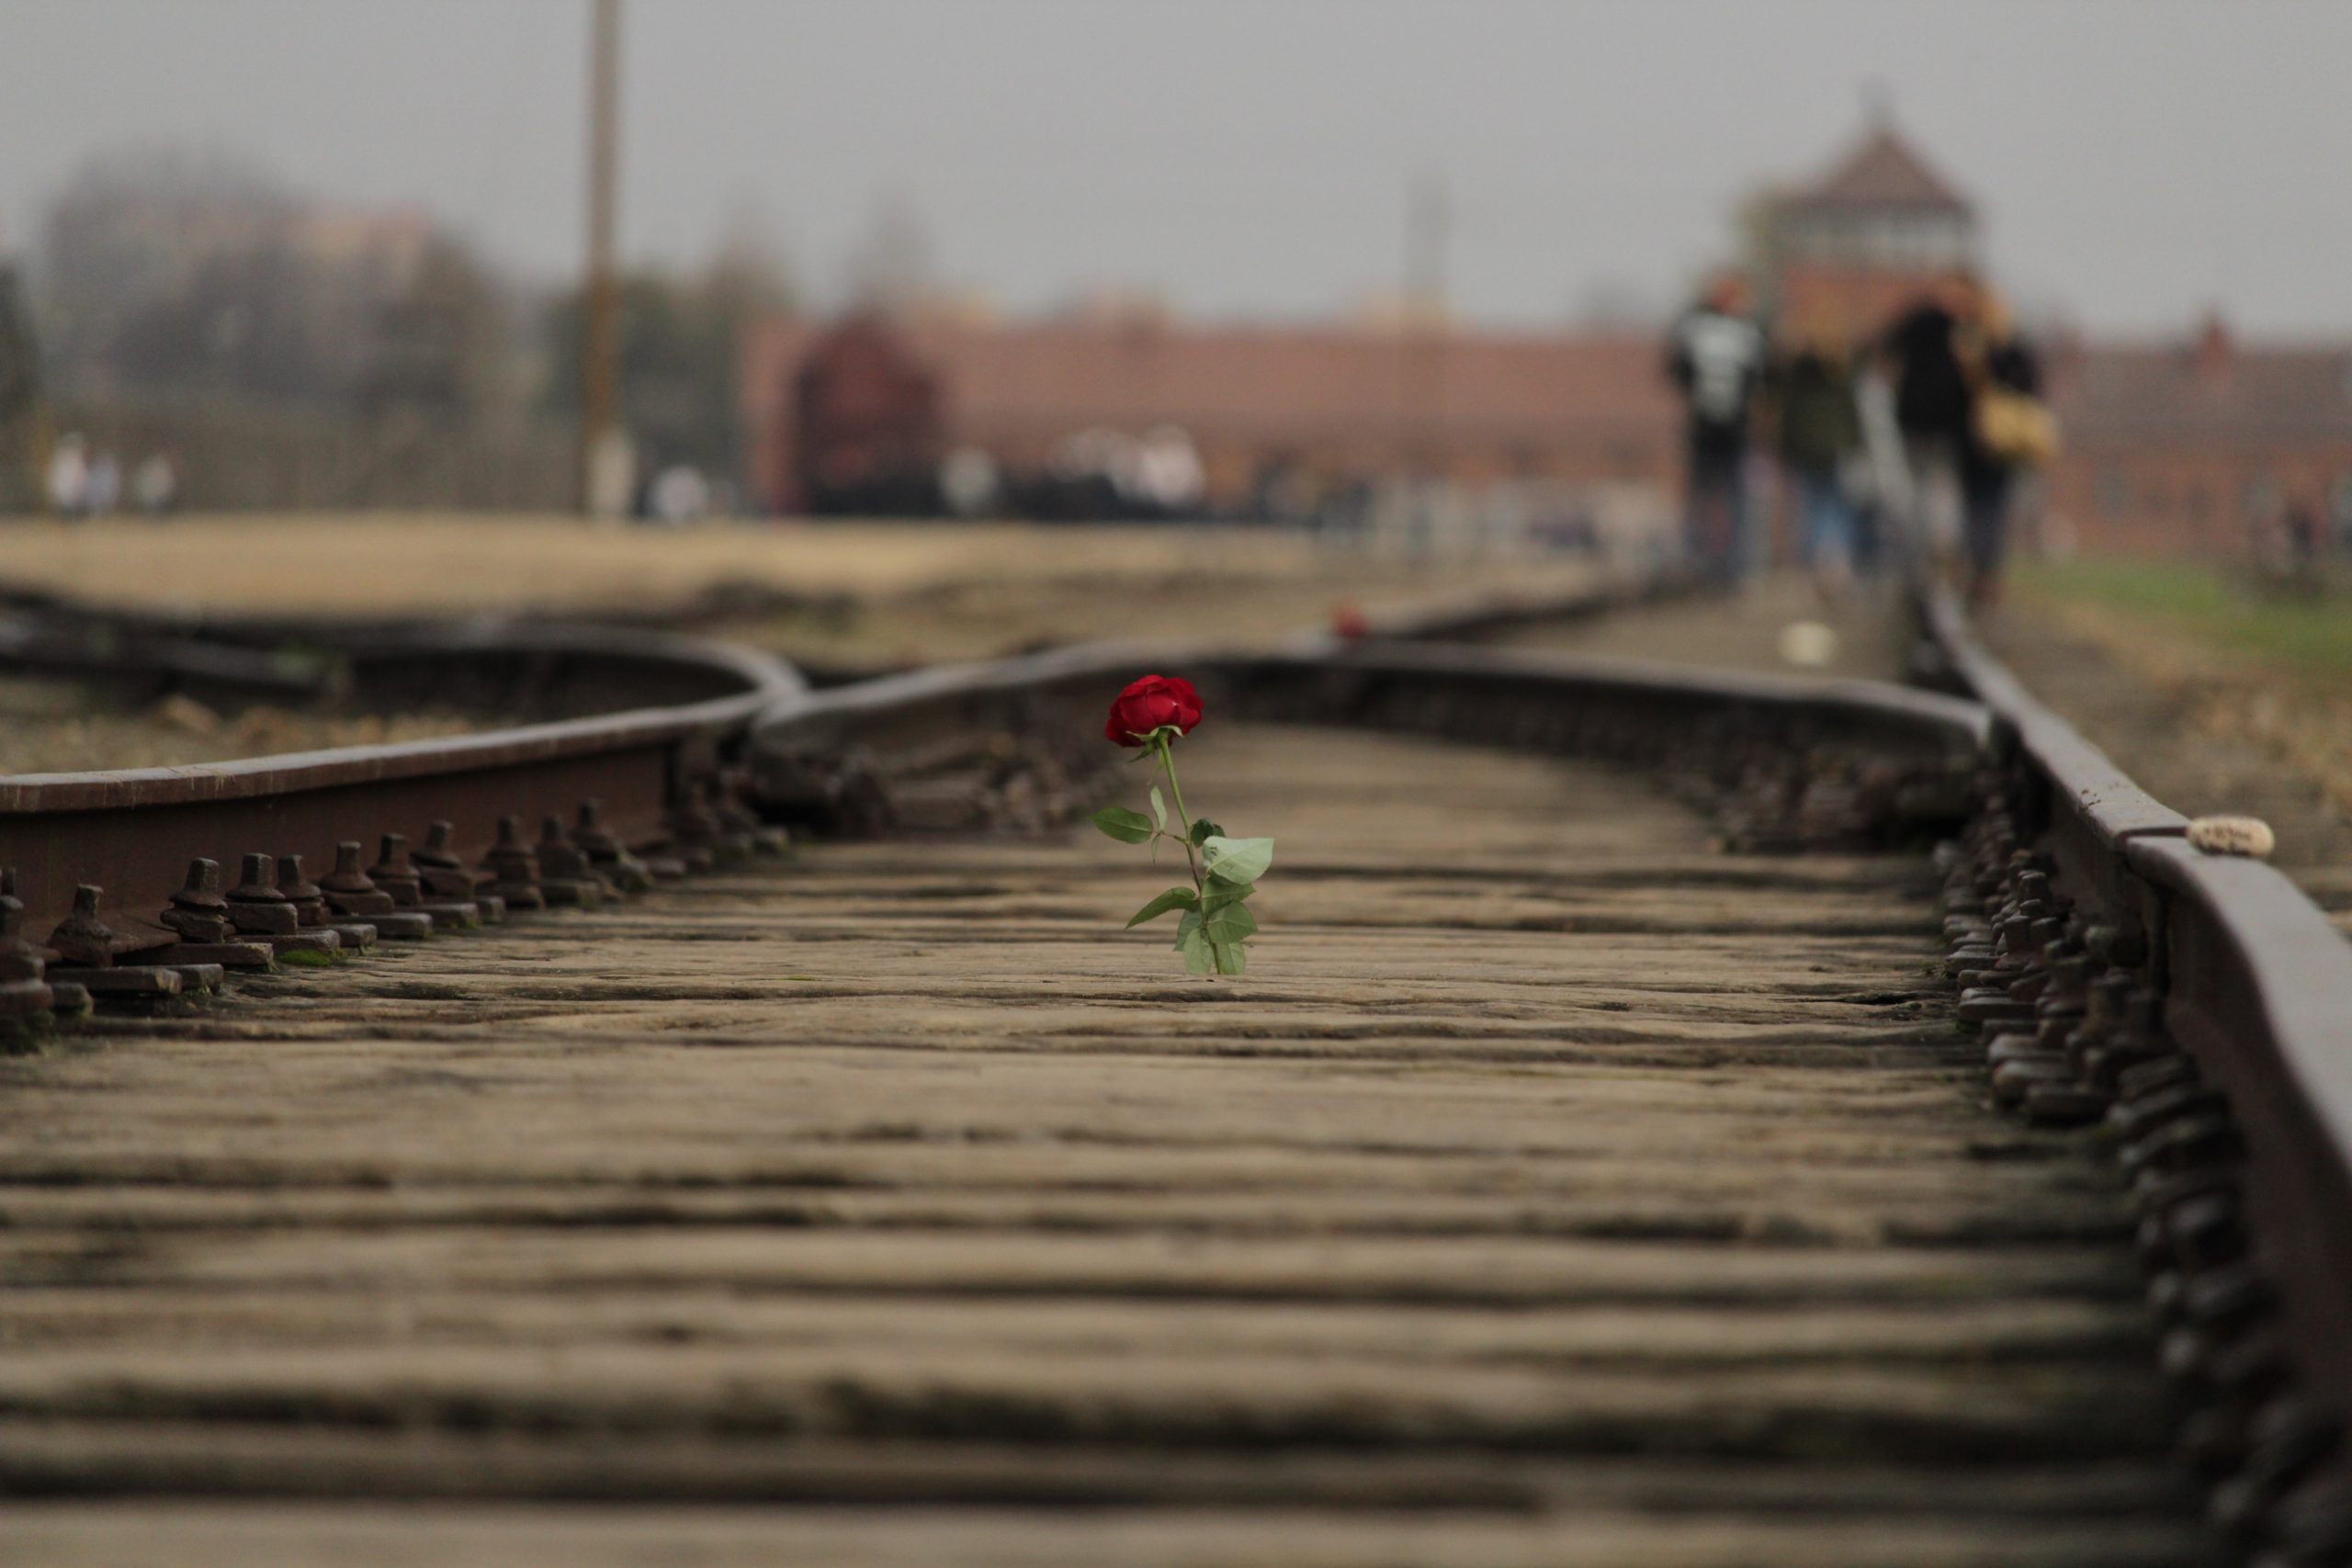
x=1150 y=703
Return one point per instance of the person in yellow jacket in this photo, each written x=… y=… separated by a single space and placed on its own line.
x=2009 y=431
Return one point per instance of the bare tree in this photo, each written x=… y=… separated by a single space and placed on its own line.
x=444 y=342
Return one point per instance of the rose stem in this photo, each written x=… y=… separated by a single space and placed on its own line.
x=1184 y=817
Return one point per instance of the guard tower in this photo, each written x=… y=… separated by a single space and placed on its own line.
x=1858 y=245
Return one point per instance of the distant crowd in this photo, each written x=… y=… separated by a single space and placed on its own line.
x=84 y=482
x=1903 y=450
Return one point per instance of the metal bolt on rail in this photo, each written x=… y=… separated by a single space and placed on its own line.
x=2289 y=1438
x=2244 y=1372
x=397 y=875
x=696 y=836
x=607 y=853
x=565 y=875
x=199 y=914
x=449 y=877
x=261 y=911
x=2253 y=1371
x=25 y=990
x=85 y=947
x=352 y=894
x=311 y=906
x=197 y=911
x=726 y=797
x=82 y=937
x=513 y=869
x=66 y=997
x=254 y=905
x=2220 y=1205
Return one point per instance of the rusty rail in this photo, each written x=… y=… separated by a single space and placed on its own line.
x=837 y=759
x=686 y=706
x=658 y=723
x=2198 y=1007
x=2202 y=1007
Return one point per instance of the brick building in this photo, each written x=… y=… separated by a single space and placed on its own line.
x=1338 y=400
x=2179 y=448
x=2188 y=447
x=1864 y=241
x=2194 y=447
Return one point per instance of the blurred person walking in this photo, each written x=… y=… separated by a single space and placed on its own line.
x=1934 y=406
x=2302 y=543
x=2010 y=431
x=1820 y=438
x=156 y=487
x=68 y=476
x=1716 y=357
x=104 y=492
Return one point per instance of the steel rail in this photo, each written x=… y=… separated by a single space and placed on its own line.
x=672 y=712
x=1629 y=707
x=2116 y=970
x=2230 y=1085
x=1399 y=657
x=2199 y=1003
x=133 y=831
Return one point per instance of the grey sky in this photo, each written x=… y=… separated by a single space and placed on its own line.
x=2137 y=159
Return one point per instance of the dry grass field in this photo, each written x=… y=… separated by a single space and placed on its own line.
x=860 y=594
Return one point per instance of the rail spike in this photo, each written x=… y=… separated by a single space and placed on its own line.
x=607 y=853
x=566 y=875
x=419 y=885
x=513 y=869
x=353 y=894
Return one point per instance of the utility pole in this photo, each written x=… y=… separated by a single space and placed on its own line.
x=605 y=463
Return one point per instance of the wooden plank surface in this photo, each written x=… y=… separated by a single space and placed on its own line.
x=1554 y=1188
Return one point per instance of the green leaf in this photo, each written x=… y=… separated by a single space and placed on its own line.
x=1199 y=957
x=1219 y=894
x=1127 y=827
x=1174 y=898
x=1228 y=957
x=1159 y=808
x=1236 y=860
x=1230 y=924
x=1202 y=830
x=1188 y=929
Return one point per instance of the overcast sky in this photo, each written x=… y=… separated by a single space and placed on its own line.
x=2137 y=160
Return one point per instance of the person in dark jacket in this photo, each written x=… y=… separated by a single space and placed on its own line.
x=1820 y=432
x=1999 y=361
x=1716 y=357
x=1933 y=402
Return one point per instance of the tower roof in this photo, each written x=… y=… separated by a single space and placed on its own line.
x=1884 y=171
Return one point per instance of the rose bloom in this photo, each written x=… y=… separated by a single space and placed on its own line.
x=1149 y=703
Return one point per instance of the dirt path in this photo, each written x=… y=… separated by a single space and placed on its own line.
x=1554 y=1190
x=1748 y=630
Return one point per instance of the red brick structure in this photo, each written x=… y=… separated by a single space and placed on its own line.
x=864 y=423
x=2183 y=449
x=1864 y=241
x=1339 y=401
x=2194 y=447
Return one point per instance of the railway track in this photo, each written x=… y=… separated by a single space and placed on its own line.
x=1589 y=1172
